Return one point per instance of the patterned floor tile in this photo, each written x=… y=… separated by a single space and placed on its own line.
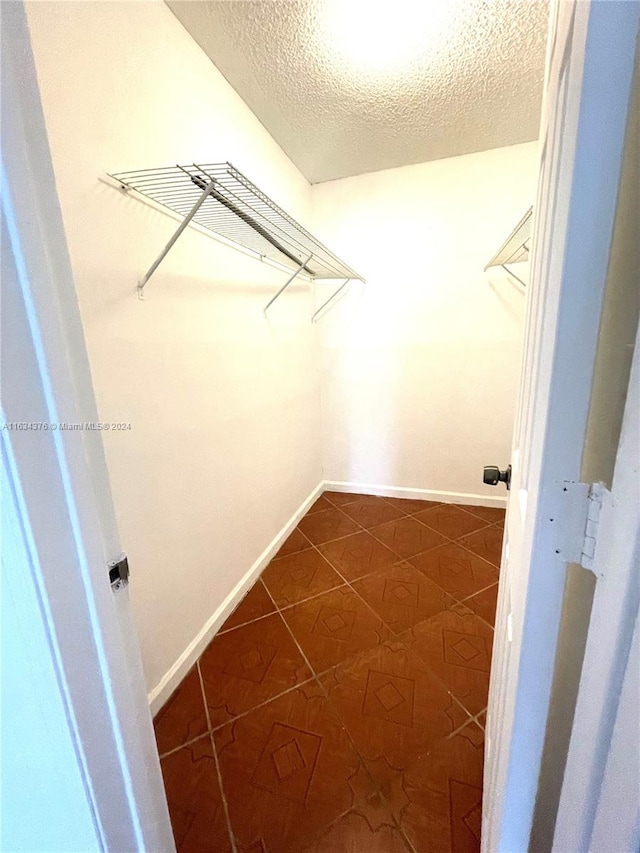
x=456 y=570
x=450 y=520
x=438 y=800
x=370 y=828
x=249 y=665
x=255 y=604
x=486 y=543
x=195 y=804
x=319 y=504
x=407 y=537
x=334 y=627
x=394 y=709
x=297 y=577
x=484 y=603
x=288 y=771
x=409 y=506
x=491 y=514
x=371 y=511
x=326 y=525
x=183 y=716
x=358 y=555
x=297 y=541
x=402 y=596
x=456 y=646
x=341 y=498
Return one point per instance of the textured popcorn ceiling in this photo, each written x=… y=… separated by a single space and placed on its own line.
x=347 y=86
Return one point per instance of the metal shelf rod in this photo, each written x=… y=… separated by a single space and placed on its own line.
x=163 y=254
x=303 y=266
x=330 y=299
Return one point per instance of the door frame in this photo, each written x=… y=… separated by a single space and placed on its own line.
x=589 y=84
x=60 y=485
x=599 y=807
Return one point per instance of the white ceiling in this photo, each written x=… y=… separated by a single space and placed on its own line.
x=354 y=86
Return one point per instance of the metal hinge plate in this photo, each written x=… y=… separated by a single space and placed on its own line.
x=594 y=507
x=119 y=572
x=579 y=513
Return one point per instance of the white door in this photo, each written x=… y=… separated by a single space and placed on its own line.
x=80 y=767
x=590 y=64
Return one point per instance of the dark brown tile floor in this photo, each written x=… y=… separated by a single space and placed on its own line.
x=341 y=707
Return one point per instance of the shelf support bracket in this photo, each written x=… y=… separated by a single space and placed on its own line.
x=330 y=299
x=517 y=277
x=163 y=254
x=287 y=283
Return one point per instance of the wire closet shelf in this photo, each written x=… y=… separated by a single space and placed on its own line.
x=515 y=248
x=220 y=199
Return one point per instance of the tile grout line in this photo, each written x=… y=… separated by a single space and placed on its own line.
x=175 y=749
x=261 y=705
x=349 y=584
x=331 y=704
x=396 y=637
x=315 y=676
x=223 y=796
x=278 y=609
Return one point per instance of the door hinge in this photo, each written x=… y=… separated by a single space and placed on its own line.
x=575 y=521
x=119 y=572
x=594 y=507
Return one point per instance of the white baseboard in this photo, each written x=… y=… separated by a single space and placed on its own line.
x=172 y=678
x=464 y=498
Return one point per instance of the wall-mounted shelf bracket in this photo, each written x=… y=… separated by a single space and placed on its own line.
x=330 y=299
x=303 y=266
x=511 y=273
x=206 y=192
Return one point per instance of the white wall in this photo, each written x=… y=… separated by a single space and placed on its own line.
x=224 y=443
x=420 y=366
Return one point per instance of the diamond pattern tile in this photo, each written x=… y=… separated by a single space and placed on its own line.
x=438 y=800
x=406 y=537
x=486 y=543
x=401 y=595
x=341 y=498
x=490 y=514
x=371 y=511
x=250 y=665
x=456 y=570
x=299 y=576
x=334 y=627
x=255 y=604
x=320 y=503
x=456 y=646
x=392 y=706
x=484 y=603
x=369 y=828
x=288 y=771
x=334 y=690
x=326 y=525
x=409 y=506
x=358 y=555
x=296 y=541
x=450 y=520
x=195 y=803
x=183 y=717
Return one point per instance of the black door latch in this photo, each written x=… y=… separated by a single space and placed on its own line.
x=493 y=475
